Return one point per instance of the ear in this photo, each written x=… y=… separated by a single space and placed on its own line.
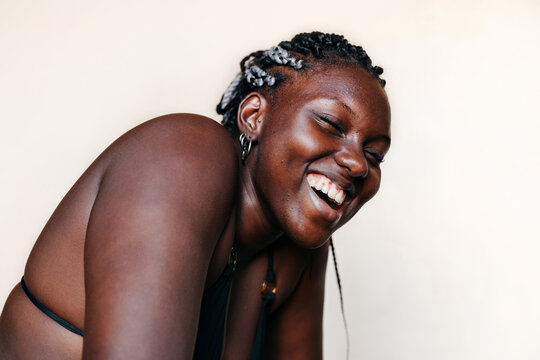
x=251 y=112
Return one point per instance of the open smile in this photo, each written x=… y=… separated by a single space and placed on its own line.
x=327 y=196
x=326 y=189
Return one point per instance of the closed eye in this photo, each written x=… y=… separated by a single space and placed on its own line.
x=327 y=120
x=375 y=156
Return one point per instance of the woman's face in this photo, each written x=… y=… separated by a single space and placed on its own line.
x=317 y=156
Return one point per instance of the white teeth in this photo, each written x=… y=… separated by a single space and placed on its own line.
x=325 y=185
x=325 y=188
x=332 y=193
x=340 y=197
x=337 y=195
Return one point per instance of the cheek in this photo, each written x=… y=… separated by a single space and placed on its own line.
x=285 y=149
x=367 y=191
x=299 y=143
x=371 y=185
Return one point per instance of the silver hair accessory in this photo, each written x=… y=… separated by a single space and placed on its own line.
x=246 y=146
x=257 y=76
x=282 y=57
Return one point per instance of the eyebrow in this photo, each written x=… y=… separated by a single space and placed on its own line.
x=382 y=137
x=346 y=107
x=342 y=104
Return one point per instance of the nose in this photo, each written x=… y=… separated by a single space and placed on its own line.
x=355 y=162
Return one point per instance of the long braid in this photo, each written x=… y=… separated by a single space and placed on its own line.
x=340 y=295
x=260 y=70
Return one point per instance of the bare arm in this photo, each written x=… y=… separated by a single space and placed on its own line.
x=159 y=213
x=295 y=329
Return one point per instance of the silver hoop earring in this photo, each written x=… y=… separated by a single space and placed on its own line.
x=246 y=146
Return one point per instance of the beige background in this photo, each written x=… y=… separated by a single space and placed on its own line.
x=442 y=264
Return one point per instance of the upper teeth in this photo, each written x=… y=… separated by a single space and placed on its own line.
x=327 y=186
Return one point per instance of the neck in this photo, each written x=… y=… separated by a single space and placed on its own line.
x=254 y=229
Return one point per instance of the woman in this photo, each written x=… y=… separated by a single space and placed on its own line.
x=138 y=259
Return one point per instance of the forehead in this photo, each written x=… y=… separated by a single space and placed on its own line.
x=351 y=88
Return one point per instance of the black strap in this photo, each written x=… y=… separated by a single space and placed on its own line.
x=48 y=312
x=268 y=292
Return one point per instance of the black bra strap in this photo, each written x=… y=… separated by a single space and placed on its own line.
x=270 y=276
x=48 y=312
x=268 y=293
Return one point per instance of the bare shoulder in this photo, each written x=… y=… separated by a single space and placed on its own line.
x=185 y=163
x=179 y=135
x=184 y=124
x=165 y=197
x=185 y=147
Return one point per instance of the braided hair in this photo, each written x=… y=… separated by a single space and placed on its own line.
x=260 y=70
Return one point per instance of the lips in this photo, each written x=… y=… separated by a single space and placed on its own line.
x=326 y=188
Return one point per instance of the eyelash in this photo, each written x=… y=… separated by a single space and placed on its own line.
x=332 y=123
x=378 y=158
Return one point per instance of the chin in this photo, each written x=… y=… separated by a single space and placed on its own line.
x=309 y=239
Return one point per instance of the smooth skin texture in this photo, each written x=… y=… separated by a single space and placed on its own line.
x=127 y=254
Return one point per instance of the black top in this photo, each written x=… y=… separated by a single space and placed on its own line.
x=209 y=341
x=210 y=332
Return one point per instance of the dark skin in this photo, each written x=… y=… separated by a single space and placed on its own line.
x=149 y=226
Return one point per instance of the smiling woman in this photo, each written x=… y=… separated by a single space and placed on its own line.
x=339 y=118
x=164 y=246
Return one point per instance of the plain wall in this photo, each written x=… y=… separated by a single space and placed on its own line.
x=441 y=264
